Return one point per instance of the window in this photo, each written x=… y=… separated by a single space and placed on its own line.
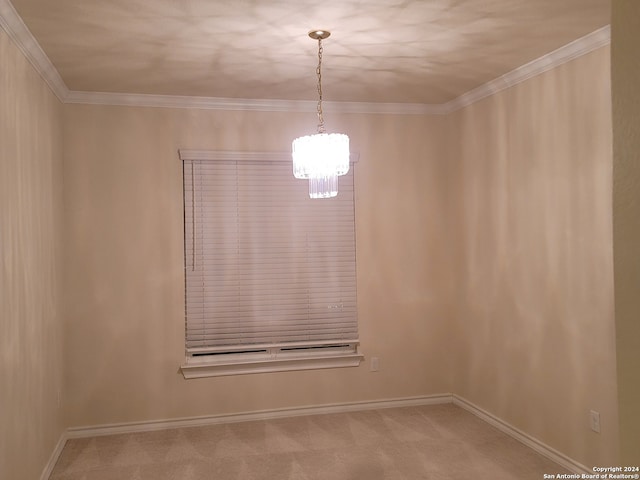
x=270 y=274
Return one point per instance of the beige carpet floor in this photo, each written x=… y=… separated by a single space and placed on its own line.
x=426 y=442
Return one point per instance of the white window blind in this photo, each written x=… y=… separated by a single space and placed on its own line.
x=265 y=266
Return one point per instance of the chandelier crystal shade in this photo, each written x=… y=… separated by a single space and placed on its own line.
x=321 y=157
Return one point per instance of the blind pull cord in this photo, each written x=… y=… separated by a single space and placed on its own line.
x=193 y=219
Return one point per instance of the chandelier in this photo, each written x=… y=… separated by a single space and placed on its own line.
x=321 y=157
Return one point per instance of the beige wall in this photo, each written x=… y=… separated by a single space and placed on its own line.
x=498 y=216
x=626 y=218
x=30 y=267
x=534 y=306
x=124 y=258
x=484 y=254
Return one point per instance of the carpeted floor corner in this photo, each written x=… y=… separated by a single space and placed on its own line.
x=426 y=442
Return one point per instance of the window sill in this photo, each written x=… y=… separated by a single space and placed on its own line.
x=200 y=367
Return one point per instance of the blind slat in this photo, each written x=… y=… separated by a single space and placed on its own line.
x=264 y=263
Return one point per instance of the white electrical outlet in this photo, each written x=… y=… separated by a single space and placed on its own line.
x=594 y=420
x=374 y=364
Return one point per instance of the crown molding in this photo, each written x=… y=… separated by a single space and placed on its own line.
x=248 y=104
x=568 y=52
x=11 y=23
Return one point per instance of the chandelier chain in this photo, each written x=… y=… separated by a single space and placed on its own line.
x=321 y=128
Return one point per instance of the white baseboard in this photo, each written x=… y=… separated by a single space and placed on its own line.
x=531 y=442
x=134 y=427
x=48 y=468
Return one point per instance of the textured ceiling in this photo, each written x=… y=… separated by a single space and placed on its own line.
x=416 y=51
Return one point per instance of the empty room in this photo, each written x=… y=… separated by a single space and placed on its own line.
x=393 y=239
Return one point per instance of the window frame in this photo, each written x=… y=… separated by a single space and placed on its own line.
x=267 y=357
